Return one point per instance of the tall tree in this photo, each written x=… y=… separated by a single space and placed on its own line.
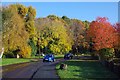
x=17 y=17
x=76 y=30
x=13 y=31
x=101 y=34
x=31 y=29
x=117 y=48
x=53 y=35
x=86 y=24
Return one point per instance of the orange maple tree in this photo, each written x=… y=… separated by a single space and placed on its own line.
x=117 y=27
x=102 y=34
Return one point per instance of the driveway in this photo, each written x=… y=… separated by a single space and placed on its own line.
x=30 y=71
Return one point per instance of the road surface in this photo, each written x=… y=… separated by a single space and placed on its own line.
x=31 y=71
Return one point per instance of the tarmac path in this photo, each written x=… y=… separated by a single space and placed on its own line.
x=31 y=71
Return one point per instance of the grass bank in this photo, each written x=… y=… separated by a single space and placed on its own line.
x=8 y=61
x=85 y=70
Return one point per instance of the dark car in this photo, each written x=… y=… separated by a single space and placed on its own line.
x=49 y=57
x=68 y=56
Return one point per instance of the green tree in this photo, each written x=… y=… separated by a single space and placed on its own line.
x=65 y=18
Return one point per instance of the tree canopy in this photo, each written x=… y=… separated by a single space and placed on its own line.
x=101 y=34
x=53 y=35
x=26 y=35
x=14 y=27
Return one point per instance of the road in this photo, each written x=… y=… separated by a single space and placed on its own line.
x=30 y=71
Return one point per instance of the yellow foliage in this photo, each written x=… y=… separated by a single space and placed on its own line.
x=25 y=52
x=53 y=35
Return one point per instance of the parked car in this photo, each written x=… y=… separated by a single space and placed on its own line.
x=68 y=56
x=49 y=57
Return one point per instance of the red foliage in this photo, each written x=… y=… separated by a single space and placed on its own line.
x=117 y=27
x=102 y=34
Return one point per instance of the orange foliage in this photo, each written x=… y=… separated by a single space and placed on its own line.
x=102 y=34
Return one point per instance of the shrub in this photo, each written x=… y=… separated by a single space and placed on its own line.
x=117 y=53
x=106 y=53
x=94 y=55
x=9 y=55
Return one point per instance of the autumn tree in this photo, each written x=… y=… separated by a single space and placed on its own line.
x=13 y=30
x=31 y=29
x=66 y=19
x=22 y=21
x=76 y=29
x=53 y=35
x=86 y=45
x=53 y=17
x=86 y=24
x=117 y=47
x=101 y=34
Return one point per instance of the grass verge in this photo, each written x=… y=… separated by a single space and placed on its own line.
x=59 y=56
x=85 y=70
x=8 y=61
x=56 y=56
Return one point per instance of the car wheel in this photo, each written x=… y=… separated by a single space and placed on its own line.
x=43 y=60
x=53 y=60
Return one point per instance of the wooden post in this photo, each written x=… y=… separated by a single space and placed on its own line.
x=1 y=54
x=18 y=56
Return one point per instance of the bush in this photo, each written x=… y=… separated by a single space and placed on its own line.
x=106 y=53
x=94 y=55
x=3 y=56
x=117 y=53
x=9 y=55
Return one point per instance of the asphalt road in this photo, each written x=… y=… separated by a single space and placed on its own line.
x=30 y=71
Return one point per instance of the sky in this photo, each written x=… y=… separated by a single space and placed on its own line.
x=60 y=0
x=78 y=10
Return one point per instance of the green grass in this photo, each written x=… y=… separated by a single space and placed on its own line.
x=37 y=57
x=59 y=56
x=8 y=61
x=56 y=56
x=85 y=70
